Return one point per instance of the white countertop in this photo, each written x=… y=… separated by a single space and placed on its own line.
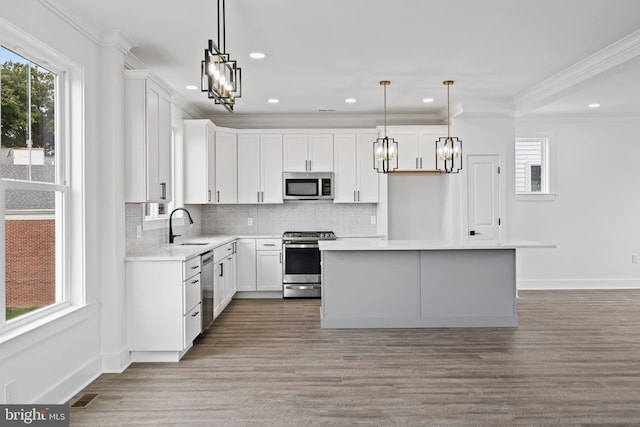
x=177 y=251
x=427 y=245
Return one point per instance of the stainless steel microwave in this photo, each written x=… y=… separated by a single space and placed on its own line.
x=307 y=185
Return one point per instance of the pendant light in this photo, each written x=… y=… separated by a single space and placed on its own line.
x=449 y=149
x=385 y=150
x=220 y=77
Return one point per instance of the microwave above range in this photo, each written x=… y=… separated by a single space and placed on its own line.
x=307 y=185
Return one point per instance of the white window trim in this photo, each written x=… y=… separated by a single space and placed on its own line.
x=70 y=174
x=548 y=169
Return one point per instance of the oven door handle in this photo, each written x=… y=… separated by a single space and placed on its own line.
x=303 y=287
x=301 y=246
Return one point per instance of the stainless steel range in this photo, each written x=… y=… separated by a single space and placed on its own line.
x=301 y=273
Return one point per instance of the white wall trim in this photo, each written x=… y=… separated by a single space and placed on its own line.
x=615 y=54
x=72 y=383
x=72 y=20
x=319 y=120
x=116 y=363
x=566 y=284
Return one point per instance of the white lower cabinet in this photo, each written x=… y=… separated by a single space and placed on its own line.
x=163 y=308
x=269 y=264
x=224 y=277
x=246 y=265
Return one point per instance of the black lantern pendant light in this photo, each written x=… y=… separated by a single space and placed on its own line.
x=385 y=150
x=449 y=149
x=221 y=77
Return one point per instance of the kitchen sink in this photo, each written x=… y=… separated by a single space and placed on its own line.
x=194 y=244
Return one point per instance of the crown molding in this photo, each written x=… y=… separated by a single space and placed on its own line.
x=117 y=40
x=318 y=121
x=73 y=21
x=611 y=56
x=186 y=106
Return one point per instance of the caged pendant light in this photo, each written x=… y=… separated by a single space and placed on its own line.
x=449 y=149
x=385 y=150
x=221 y=77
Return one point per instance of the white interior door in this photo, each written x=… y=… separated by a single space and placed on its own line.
x=483 y=200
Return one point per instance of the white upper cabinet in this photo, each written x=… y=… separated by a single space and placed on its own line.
x=210 y=162
x=148 y=138
x=308 y=152
x=259 y=168
x=416 y=146
x=226 y=168
x=355 y=179
x=199 y=161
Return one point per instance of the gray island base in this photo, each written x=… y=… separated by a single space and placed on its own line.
x=419 y=284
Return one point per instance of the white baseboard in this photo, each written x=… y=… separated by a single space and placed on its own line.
x=72 y=384
x=258 y=294
x=116 y=363
x=567 y=284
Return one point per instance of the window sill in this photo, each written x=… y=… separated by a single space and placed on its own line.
x=16 y=331
x=533 y=197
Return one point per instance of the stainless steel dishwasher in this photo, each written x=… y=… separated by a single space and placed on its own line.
x=207 y=289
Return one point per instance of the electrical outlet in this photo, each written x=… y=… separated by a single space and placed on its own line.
x=138 y=231
x=373 y=219
x=635 y=259
x=249 y=221
x=9 y=392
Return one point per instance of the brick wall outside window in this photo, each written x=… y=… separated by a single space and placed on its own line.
x=30 y=262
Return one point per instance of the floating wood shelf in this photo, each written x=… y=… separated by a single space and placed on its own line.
x=430 y=171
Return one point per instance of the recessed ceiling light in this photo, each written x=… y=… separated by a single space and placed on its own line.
x=427 y=100
x=350 y=100
x=273 y=100
x=594 y=105
x=256 y=55
x=191 y=87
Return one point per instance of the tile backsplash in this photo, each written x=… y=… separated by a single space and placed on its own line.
x=270 y=220
x=273 y=220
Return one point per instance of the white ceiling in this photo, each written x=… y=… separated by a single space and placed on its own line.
x=506 y=56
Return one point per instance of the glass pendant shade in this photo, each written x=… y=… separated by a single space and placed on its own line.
x=385 y=155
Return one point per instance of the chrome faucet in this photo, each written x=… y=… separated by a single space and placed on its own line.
x=171 y=235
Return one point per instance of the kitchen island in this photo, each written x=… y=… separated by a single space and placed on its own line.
x=420 y=283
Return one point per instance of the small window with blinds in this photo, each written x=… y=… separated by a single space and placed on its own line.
x=531 y=166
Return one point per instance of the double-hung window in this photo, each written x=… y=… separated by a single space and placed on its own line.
x=34 y=190
x=532 y=171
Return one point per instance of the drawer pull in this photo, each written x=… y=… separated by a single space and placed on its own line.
x=195 y=267
x=269 y=244
x=195 y=281
x=195 y=314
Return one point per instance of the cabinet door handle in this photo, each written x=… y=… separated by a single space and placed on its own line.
x=163 y=190
x=309 y=164
x=209 y=196
x=420 y=162
x=358 y=196
x=416 y=163
x=218 y=196
x=354 y=196
x=280 y=257
x=262 y=196
x=258 y=193
x=221 y=269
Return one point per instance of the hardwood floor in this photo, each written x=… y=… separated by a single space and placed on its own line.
x=574 y=360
